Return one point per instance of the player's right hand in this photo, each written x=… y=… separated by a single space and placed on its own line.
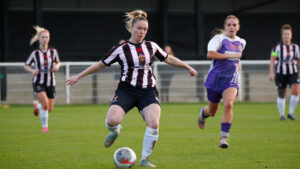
x=271 y=76
x=35 y=71
x=235 y=55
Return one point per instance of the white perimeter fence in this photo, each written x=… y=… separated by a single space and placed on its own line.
x=174 y=84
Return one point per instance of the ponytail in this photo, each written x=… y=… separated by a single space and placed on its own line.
x=217 y=31
x=38 y=30
x=134 y=16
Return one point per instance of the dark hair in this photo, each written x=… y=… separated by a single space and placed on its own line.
x=286 y=27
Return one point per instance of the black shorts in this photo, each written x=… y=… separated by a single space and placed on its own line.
x=283 y=80
x=127 y=97
x=50 y=91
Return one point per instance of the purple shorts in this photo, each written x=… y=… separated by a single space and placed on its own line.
x=215 y=96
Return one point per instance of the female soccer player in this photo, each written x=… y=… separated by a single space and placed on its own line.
x=46 y=62
x=287 y=55
x=137 y=87
x=225 y=50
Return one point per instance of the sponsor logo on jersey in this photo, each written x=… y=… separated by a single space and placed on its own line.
x=142 y=58
x=240 y=48
x=233 y=46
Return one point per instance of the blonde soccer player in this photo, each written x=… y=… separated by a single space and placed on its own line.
x=45 y=62
x=225 y=50
x=137 y=87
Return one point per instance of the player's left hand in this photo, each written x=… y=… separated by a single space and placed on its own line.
x=55 y=69
x=193 y=72
x=72 y=80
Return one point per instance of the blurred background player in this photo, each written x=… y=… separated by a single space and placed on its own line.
x=137 y=87
x=166 y=75
x=287 y=55
x=223 y=79
x=46 y=62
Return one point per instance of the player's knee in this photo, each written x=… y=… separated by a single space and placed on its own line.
x=212 y=112
x=153 y=124
x=112 y=121
x=228 y=105
x=295 y=92
x=45 y=107
x=281 y=93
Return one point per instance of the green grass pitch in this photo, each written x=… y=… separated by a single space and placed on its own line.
x=258 y=139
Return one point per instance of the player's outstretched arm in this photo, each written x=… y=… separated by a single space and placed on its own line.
x=91 y=69
x=172 y=60
x=217 y=55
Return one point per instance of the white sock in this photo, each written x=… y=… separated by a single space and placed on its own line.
x=293 y=103
x=39 y=106
x=150 y=138
x=115 y=129
x=224 y=134
x=281 y=105
x=44 y=118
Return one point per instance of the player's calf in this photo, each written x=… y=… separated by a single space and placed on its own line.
x=201 y=119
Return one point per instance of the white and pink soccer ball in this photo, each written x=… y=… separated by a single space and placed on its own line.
x=124 y=157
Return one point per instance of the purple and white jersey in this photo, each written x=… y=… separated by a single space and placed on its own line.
x=224 y=73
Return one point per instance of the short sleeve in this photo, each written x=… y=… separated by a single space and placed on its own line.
x=297 y=52
x=244 y=43
x=30 y=59
x=160 y=54
x=274 y=53
x=112 y=56
x=56 y=56
x=215 y=43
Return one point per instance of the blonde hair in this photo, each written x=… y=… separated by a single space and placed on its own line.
x=134 y=16
x=38 y=30
x=218 y=31
x=231 y=17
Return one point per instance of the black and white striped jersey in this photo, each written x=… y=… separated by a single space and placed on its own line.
x=286 y=56
x=136 y=62
x=44 y=62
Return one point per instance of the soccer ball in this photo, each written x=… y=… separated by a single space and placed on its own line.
x=124 y=157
